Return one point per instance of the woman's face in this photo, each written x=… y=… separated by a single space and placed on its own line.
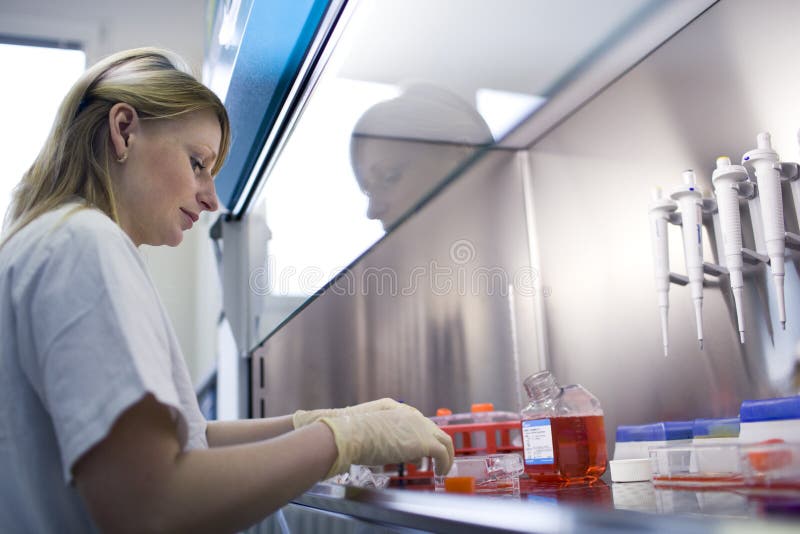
x=396 y=174
x=165 y=182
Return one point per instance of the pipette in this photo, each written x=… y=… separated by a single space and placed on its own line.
x=660 y=210
x=690 y=204
x=726 y=179
x=767 y=169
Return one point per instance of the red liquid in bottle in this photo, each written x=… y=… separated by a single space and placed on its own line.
x=579 y=451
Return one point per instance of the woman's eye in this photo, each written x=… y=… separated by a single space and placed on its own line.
x=197 y=164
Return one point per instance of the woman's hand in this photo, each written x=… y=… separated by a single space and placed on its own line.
x=401 y=434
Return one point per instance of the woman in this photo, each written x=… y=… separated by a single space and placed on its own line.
x=94 y=390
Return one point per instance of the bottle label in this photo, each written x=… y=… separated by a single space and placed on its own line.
x=537 y=442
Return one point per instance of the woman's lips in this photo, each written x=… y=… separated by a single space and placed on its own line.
x=190 y=217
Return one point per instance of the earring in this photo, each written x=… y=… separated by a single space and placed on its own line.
x=122 y=158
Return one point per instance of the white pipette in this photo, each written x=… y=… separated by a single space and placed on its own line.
x=690 y=203
x=726 y=179
x=767 y=169
x=660 y=210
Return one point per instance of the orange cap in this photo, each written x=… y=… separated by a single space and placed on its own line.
x=482 y=407
x=444 y=411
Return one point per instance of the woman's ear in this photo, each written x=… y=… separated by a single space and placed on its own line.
x=123 y=126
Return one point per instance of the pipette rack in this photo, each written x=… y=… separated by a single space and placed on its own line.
x=755 y=259
x=760 y=168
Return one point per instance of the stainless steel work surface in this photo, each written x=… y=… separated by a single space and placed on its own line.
x=589 y=508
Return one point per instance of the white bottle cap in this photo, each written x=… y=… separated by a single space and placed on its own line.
x=636 y=470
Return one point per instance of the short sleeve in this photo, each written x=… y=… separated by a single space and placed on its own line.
x=100 y=340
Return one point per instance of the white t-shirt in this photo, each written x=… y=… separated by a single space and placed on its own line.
x=83 y=336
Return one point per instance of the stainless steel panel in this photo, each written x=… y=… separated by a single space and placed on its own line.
x=426 y=316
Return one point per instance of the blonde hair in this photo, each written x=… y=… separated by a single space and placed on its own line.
x=74 y=161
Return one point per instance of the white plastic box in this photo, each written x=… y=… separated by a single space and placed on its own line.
x=767 y=419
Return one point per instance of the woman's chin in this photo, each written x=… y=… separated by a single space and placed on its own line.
x=173 y=240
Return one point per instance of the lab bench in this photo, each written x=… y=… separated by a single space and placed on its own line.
x=597 y=508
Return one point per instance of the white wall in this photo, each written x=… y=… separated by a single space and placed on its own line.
x=107 y=26
x=185 y=275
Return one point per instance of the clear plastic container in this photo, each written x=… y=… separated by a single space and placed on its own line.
x=696 y=466
x=562 y=432
x=707 y=432
x=363 y=476
x=774 y=464
x=493 y=473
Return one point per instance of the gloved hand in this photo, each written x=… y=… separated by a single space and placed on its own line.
x=301 y=418
x=401 y=434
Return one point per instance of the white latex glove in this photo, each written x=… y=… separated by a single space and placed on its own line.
x=401 y=434
x=301 y=418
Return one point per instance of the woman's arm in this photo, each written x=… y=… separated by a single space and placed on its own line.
x=137 y=479
x=222 y=433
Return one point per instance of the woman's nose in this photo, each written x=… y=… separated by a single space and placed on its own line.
x=376 y=208
x=208 y=198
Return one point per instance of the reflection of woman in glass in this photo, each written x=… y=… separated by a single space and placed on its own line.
x=402 y=147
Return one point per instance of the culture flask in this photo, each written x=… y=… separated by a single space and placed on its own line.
x=562 y=432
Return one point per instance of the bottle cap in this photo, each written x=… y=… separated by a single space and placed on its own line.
x=678 y=429
x=482 y=407
x=444 y=411
x=540 y=386
x=716 y=428
x=770 y=409
x=651 y=432
x=636 y=470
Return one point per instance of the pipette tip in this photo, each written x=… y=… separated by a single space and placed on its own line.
x=783 y=325
x=666 y=351
x=741 y=337
x=701 y=343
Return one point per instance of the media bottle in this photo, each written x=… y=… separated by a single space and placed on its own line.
x=562 y=432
